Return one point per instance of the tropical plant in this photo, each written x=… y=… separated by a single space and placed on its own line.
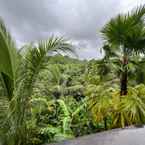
x=126 y=34
x=46 y=97
x=130 y=109
x=8 y=59
x=115 y=112
x=20 y=77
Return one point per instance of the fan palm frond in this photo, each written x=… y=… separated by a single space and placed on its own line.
x=126 y=30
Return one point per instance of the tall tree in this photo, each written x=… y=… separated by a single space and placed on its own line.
x=126 y=32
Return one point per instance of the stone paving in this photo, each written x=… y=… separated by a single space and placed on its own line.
x=130 y=136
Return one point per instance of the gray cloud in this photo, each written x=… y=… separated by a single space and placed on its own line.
x=78 y=20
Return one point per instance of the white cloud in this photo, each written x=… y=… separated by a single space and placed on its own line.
x=78 y=20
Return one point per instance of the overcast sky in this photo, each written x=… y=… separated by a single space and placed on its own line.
x=78 y=20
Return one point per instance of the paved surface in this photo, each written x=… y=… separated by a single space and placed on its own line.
x=131 y=136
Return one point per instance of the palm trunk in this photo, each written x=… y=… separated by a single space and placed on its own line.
x=123 y=80
x=105 y=123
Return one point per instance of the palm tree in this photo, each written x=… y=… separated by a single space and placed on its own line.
x=126 y=33
x=19 y=73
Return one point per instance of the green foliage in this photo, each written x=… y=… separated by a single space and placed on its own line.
x=8 y=59
x=8 y=54
x=46 y=97
x=122 y=110
x=19 y=81
x=127 y=30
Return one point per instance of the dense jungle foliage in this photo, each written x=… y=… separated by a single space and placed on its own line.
x=46 y=96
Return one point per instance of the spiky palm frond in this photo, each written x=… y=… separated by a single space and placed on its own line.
x=115 y=29
x=135 y=41
x=34 y=61
x=8 y=59
x=137 y=15
x=127 y=31
x=8 y=85
x=8 y=54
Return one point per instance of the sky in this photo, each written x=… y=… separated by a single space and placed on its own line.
x=80 y=21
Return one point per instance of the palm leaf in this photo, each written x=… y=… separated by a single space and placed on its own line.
x=8 y=54
x=126 y=31
x=8 y=58
x=33 y=62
